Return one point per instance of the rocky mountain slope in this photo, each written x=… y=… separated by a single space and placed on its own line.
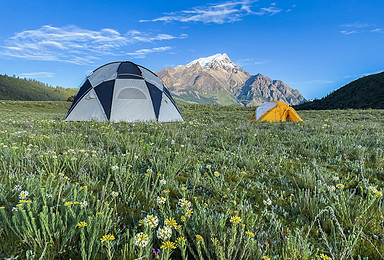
x=363 y=93
x=216 y=79
x=259 y=88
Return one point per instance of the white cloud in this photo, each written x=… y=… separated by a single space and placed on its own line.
x=227 y=12
x=37 y=75
x=73 y=44
x=356 y=25
x=247 y=62
x=359 y=27
x=349 y=32
x=143 y=52
x=269 y=11
x=377 y=30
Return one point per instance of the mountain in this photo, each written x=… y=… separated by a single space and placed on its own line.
x=363 y=93
x=12 y=88
x=258 y=89
x=217 y=79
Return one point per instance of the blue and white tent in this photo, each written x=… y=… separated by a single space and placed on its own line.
x=123 y=91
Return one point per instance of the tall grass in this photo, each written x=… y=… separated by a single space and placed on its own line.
x=213 y=187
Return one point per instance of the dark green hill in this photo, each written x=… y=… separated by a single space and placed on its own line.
x=363 y=93
x=12 y=88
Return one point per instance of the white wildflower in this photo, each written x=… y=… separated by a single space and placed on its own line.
x=161 y=200
x=184 y=203
x=151 y=221
x=164 y=233
x=24 y=194
x=83 y=204
x=17 y=187
x=141 y=239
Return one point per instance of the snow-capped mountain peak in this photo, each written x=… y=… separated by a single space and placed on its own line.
x=206 y=62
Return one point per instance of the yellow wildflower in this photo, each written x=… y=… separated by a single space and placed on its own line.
x=183 y=218
x=165 y=191
x=107 y=238
x=189 y=213
x=170 y=222
x=373 y=188
x=216 y=173
x=68 y=203
x=325 y=257
x=266 y=258
x=25 y=201
x=168 y=244
x=181 y=240
x=183 y=188
x=82 y=224
x=250 y=234
x=199 y=237
x=235 y=219
x=214 y=240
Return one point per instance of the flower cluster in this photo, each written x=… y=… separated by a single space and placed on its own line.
x=161 y=200
x=141 y=240
x=185 y=203
x=23 y=194
x=235 y=220
x=82 y=224
x=374 y=190
x=168 y=245
x=164 y=233
x=151 y=221
x=107 y=238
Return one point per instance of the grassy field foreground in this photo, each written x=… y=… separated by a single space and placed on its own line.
x=212 y=187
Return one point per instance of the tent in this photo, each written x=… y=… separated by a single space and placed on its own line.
x=123 y=91
x=275 y=111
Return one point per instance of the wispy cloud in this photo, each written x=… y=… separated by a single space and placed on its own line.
x=73 y=44
x=269 y=11
x=247 y=62
x=227 y=12
x=37 y=75
x=143 y=52
x=359 y=27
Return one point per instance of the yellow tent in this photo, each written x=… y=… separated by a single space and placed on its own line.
x=275 y=111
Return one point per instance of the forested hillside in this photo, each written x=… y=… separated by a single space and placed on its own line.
x=12 y=88
x=363 y=93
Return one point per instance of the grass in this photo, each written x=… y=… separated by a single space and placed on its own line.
x=213 y=187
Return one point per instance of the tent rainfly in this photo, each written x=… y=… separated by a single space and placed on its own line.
x=274 y=111
x=123 y=91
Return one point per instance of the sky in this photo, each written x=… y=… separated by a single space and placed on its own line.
x=315 y=47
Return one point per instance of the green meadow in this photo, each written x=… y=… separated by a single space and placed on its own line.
x=212 y=187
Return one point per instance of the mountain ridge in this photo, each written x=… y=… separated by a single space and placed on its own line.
x=217 y=79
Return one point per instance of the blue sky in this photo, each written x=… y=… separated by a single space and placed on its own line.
x=313 y=46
